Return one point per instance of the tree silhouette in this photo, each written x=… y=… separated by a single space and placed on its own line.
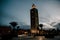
x=13 y=24
x=41 y=25
x=18 y=27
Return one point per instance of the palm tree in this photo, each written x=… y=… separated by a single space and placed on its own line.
x=13 y=24
x=41 y=25
x=18 y=27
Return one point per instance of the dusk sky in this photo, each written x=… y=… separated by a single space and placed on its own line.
x=19 y=11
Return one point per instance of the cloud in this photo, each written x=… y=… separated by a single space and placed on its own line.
x=48 y=26
x=49 y=11
x=57 y=25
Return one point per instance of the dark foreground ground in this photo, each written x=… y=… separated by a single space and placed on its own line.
x=39 y=38
x=33 y=38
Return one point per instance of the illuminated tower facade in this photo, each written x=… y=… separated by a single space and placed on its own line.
x=34 y=17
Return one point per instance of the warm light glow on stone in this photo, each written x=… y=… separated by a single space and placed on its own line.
x=34 y=31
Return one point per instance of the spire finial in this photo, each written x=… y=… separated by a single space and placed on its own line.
x=33 y=6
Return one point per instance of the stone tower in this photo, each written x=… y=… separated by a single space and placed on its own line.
x=34 y=17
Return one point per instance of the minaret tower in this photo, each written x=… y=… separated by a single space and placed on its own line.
x=34 y=18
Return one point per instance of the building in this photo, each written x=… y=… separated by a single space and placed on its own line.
x=34 y=18
x=5 y=30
